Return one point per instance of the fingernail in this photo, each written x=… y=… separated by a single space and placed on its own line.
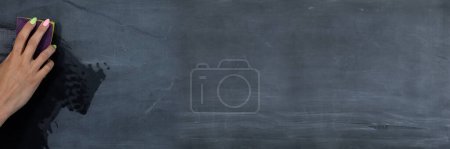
x=33 y=21
x=54 y=46
x=46 y=22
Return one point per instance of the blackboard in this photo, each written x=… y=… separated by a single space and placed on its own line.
x=253 y=74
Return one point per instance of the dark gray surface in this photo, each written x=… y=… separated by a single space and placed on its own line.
x=334 y=73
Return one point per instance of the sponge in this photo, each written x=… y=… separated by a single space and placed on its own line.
x=46 y=38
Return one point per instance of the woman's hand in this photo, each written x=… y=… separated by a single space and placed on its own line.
x=20 y=74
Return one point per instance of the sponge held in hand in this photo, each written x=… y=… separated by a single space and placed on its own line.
x=46 y=39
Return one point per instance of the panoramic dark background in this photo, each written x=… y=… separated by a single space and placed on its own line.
x=322 y=73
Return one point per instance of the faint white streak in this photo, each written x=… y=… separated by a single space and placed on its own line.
x=160 y=98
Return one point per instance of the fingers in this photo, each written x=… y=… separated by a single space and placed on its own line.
x=43 y=57
x=35 y=39
x=22 y=37
x=45 y=69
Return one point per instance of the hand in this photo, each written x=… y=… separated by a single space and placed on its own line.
x=20 y=74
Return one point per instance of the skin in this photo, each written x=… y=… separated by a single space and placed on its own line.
x=20 y=74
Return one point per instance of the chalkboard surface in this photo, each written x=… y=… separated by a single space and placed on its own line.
x=253 y=74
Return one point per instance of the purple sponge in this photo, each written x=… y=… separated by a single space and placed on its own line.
x=46 y=39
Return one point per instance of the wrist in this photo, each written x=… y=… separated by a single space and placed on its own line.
x=2 y=119
x=4 y=114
